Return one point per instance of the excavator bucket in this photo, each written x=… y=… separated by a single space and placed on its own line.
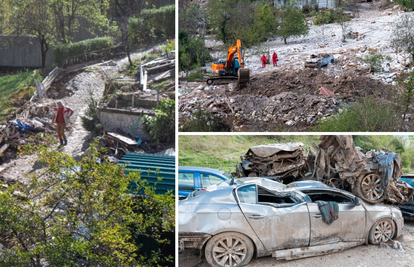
x=244 y=76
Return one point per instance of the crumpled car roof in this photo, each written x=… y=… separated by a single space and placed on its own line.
x=271 y=149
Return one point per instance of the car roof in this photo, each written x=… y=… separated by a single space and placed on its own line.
x=201 y=169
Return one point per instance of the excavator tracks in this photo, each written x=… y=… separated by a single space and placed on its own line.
x=242 y=79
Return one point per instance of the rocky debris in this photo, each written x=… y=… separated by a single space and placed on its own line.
x=283 y=161
x=287 y=106
x=371 y=175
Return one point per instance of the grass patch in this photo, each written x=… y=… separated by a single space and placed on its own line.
x=10 y=87
x=215 y=151
x=366 y=115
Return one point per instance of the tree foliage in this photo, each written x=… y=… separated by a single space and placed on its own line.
x=292 y=23
x=192 y=52
x=251 y=22
x=53 y=21
x=403 y=34
x=78 y=214
x=161 y=127
x=404 y=95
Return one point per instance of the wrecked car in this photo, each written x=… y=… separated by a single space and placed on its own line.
x=285 y=161
x=407 y=209
x=246 y=217
x=372 y=176
x=319 y=62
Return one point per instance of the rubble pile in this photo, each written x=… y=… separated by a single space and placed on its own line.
x=287 y=106
x=284 y=161
x=34 y=118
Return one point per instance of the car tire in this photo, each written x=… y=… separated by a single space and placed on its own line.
x=377 y=236
x=369 y=188
x=229 y=249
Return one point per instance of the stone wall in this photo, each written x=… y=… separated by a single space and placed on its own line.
x=124 y=120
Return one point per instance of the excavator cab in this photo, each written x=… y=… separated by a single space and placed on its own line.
x=232 y=67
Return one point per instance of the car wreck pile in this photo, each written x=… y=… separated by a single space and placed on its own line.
x=283 y=161
x=337 y=162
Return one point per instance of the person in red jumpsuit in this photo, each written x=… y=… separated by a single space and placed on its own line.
x=274 y=57
x=264 y=59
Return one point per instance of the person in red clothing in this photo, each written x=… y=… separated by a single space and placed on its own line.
x=274 y=57
x=264 y=59
x=61 y=117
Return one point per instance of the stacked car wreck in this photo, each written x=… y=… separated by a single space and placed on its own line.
x=336 y=162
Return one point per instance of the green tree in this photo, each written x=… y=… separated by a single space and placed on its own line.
x=192 y=52
x=79 y=214
x=161 y=127
x=251 y=22
x=292 y=23
x=53 y=21
x=403 y=34
x=405 y=94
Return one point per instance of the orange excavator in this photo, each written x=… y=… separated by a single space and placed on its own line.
x=232 y=68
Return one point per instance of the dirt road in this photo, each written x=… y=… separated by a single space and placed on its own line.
x=361 y=256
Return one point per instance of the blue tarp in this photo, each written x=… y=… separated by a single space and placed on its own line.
x=386 y=162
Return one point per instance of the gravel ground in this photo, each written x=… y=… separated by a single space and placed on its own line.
x=361 y=256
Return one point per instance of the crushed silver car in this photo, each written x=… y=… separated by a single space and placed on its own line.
x=241 y=218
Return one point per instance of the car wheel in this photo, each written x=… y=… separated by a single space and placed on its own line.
x=229 y=249
x=369 y=188
x=382 y=230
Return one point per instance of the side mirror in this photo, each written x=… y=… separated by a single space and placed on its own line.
x=357 y=201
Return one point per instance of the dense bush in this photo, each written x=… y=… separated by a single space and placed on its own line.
x=192 y=52
x=407 y=4
x=162 y=126
x=330 y=16
x=65 y=51
x=162 y=20
x=366 y=115
x=203 y=121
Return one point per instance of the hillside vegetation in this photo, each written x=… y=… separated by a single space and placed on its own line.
x=13 y=87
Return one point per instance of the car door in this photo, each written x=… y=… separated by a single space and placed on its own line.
x=350 y=225
x=277 y=226
x=186 y=183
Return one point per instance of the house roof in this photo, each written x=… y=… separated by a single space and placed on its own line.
x=152 y=167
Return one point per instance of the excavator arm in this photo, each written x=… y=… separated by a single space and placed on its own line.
x=230 y=54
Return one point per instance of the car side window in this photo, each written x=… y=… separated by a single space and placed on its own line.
x=328 y=196
x=209 y=179
x=186 y=181
x=247 y=194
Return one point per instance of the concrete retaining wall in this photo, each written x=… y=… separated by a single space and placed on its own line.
x=125 y=120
